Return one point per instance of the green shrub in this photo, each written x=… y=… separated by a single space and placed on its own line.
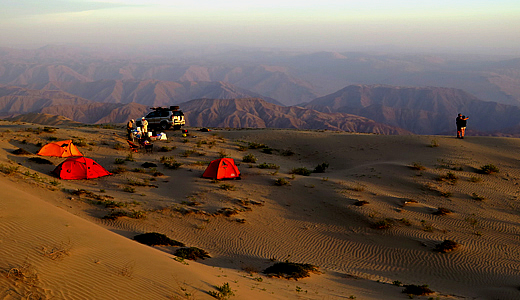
x=446 y=246
x=192 y=253
x=268 y=166
x=281 y=181
x=156 y=239
x=321 y=168
x=289 y=270
x=227 y=187
x=301 y=171
x=119 y=161
x=417 y=166
x=253 y=145
x=223 y=292
x=489 y=169
x=249 y=158
x=8 y=169
x=382 y=224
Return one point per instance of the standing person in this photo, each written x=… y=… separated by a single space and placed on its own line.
x=129 y=128
x=144 y=125
x=463 y=123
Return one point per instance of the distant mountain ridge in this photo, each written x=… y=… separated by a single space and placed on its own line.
x=257 y=113
x=426 y=110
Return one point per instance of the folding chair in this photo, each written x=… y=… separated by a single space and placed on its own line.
x=133 y=147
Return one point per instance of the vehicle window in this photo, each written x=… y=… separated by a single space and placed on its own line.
x=153 y=114
x=176 y=113
x=164 y=113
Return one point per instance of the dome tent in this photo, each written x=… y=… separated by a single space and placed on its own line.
x=80 y=168
x=60 y=149
x=222 y=168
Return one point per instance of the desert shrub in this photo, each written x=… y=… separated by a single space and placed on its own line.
x=289 y=270
x=148 y=165
x=242 y=148
x=172 y=164
x=119 y=146
x=445 y=194
x=130 y=157
x=253 y=145
x=129 y=189
x=118 y=170
x=156 y=239
x=8 y=169
x=477 y=197
x=21 y=151
x=52 y=138
x=268 y=166
x=165 y=149
x=442 y=211
x=419 y=290
x=321 y=168
x=446 y=246
x=281 y=181
x=434 y=144
x=475 y=179
x=489 y=169
x=301 y=171
x=449 y=177
x=39 y=160
x=119 y=161
x=223 y=292
x=49 y=129
x=222 y=154
x=361 y=203
x=191 y=253
x=114 y=215
x=80 y=143
x=187 y=153
x=382 y=224
x=417 y=166
x=249 y=158
x=287 y=152
x=267 y=150
x=226 y=211
x=138 y=170
x=227 y=187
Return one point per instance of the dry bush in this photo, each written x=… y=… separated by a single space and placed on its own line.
x=57 y=252
x=446 y=246
x=289 y=270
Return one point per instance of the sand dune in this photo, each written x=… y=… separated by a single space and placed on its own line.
x=313 y=219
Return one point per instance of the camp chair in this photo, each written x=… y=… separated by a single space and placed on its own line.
x=133 y=147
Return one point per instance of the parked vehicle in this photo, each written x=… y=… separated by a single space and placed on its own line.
x=163 y=118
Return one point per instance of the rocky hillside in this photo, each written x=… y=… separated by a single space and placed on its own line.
x=256 y=113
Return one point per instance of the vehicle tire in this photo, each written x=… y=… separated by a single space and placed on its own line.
x=164 y=125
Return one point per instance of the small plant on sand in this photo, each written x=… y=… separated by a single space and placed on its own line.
x=417 y=166
x=489 y=169
x=418 y=290
x=130 y=157
x=287 y=152
x=156 y=239
x=446 y=246
x=119 y=146
x=192 y=253
x=321 y=168
x=475 y=179
x=118 y=170
x=434 y=144
x=249 y=158
x=451 y=177
x=172 y=164
x=253 y=145
x=301 y=171
x=223 y=292
x=268 y=166
x=289 y=270
x=477 y=197
x=442 y=211
x=129 y=189
x=227 y=187
x=119 y=161
x=397 y=283
x=281 y=181
x=222 y=154
x=382 y=224
x=8 y=170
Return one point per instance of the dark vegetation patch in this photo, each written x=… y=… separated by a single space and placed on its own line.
x=489 y=169
x=301 y=171
x=41 y=161
x=419 y=290
x=442 y=211
x=156 y=239
x=89 y=194
x=382 y=224
x=321 y=168
x=149 y=165
x=21 y=151
x=116 y=214
x=446 y=246
x=289 y=270
x=191 y=253
x=361 y=203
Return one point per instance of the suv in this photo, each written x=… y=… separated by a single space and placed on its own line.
x=164 y=118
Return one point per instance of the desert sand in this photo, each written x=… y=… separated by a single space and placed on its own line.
x=55 y=243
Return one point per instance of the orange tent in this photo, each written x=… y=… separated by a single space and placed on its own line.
x=60 y=149
x=222 y=168
x=80 y=168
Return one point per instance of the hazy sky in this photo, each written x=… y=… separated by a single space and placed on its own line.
x=316 y=25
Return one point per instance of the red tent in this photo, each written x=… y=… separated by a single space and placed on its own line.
x=222 y=168
x=80 y=168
